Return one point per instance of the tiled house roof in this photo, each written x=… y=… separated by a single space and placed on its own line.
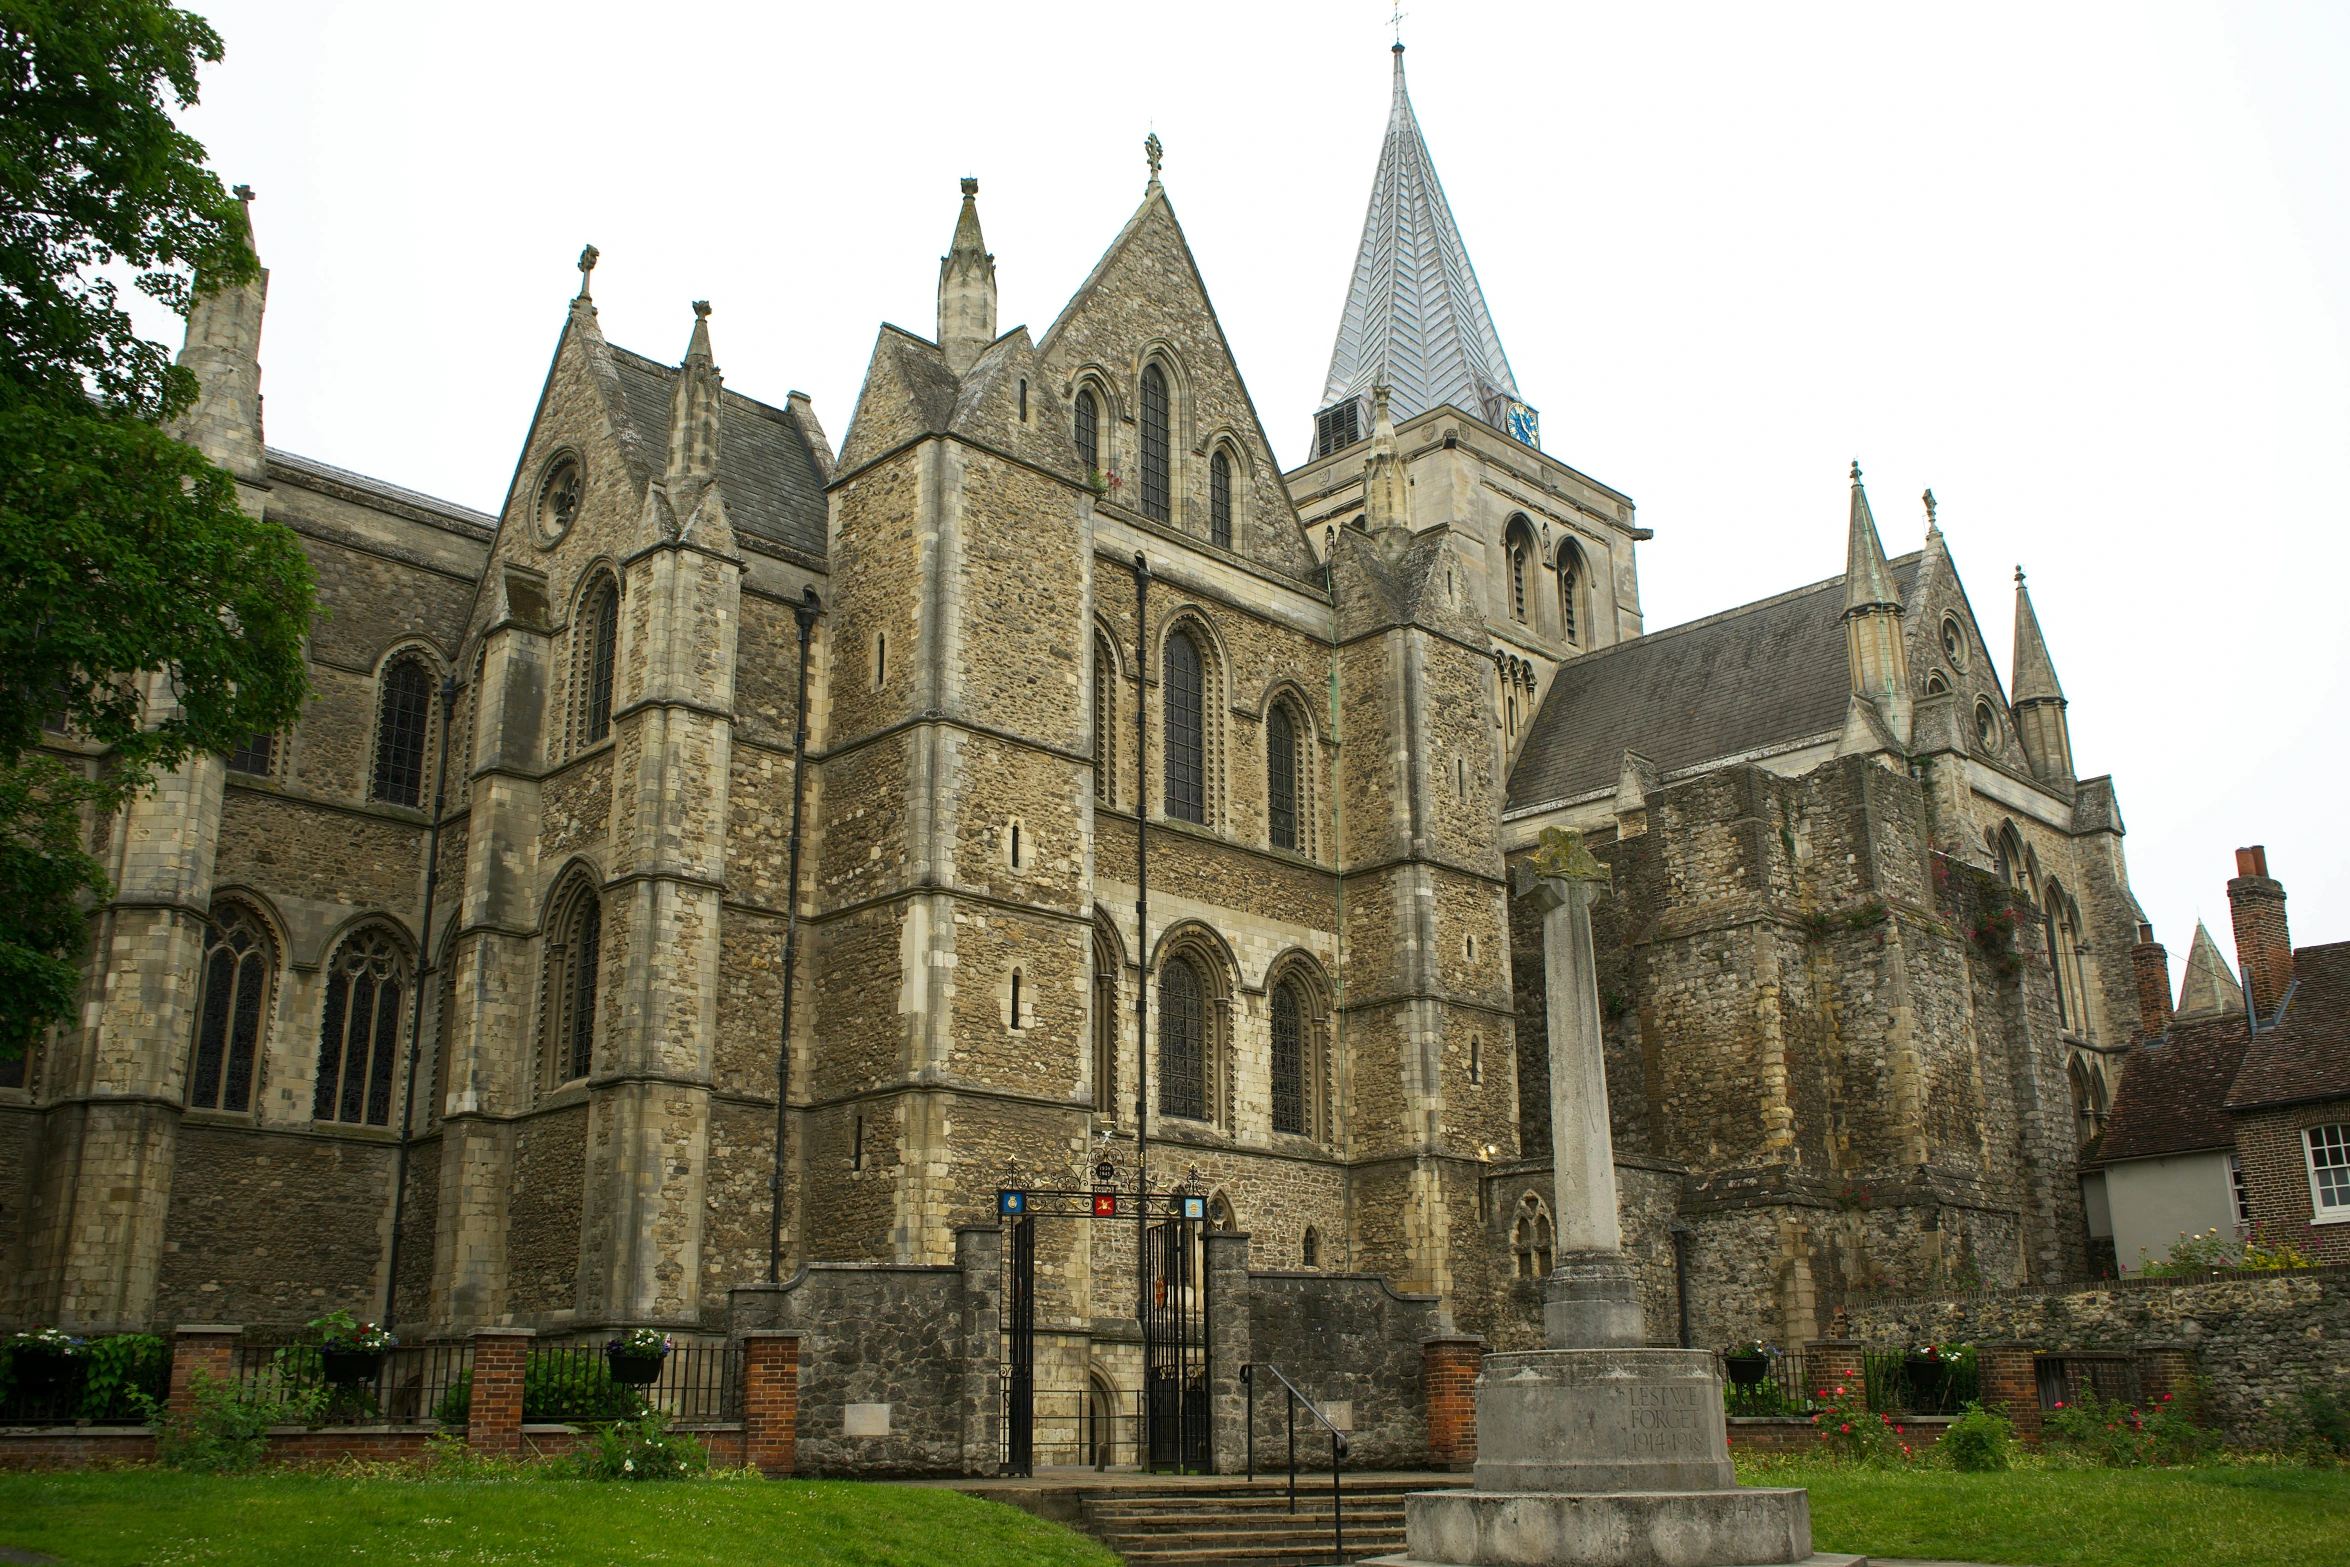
x=2174 y=1093
x=2306 y=1054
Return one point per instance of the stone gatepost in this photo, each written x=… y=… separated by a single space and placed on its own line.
x=209 y=1347
x=771 y=1401
x=1228 y=1333
x=1597 y=1450
x=493 y=1419
x=979 y=1254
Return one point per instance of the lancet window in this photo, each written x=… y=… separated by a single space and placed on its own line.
x=1155 y=444
x=402 y=731
x=239 y=969
x=359 y=1036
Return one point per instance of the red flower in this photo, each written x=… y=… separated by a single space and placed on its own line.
x=1846 y=1429
x=2166 y=1398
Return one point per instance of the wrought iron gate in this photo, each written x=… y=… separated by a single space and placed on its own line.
x=1171 y=1424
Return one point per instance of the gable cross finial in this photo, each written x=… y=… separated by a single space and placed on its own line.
x=1930 y=522
x=587 y=264
x=1152 y=150
x=1396 y=22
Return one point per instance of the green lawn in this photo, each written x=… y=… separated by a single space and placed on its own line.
x=152 y=1518
x=2204 y=1517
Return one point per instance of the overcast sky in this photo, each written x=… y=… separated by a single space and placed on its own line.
x=2083 y=269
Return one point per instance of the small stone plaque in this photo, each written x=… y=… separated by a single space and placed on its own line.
x=1340 y=1412
x=864 y=1420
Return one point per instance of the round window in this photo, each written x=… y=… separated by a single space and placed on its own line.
x=1953 y=642
x=1986 y=727
x=559 y=496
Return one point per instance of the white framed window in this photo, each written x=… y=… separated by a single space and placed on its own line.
x=2239 y=1200
x=2329 y=1174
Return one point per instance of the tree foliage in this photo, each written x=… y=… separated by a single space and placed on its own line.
x=143 y=612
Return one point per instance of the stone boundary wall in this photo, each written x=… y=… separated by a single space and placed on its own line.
x=898 y=1363
x=1347 y=1339
x=2255 y=1337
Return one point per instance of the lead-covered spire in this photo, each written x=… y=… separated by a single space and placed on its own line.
x=1415 y=319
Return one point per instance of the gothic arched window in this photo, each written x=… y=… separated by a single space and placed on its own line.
x=1183 y=1042
x=574 y=946
x=598 y=634
x=402 y=727
x=1154 y=443
x=1105 y=722
x=1309 y=1250
x=1186 y=744
x=359 y=1037
x=1089 y=431
x=236 y=975
x=1220 y=500
x=1281 y=789
x=1571 y=575
x=1105 y=1025
x=1289 y=1060
x=1532 y=1238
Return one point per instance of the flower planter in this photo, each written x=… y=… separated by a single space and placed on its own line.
x=350 y=1367
x=1747 y=1370
x=632 y=1369
x=1928 y=1380
x=45 y=1373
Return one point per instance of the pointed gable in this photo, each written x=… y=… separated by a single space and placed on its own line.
x=1145 y=300
x=773 y=483
x=1415 y=319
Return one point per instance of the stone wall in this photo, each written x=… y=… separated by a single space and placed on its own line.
x=1349 y=1338
x=2256 y=1337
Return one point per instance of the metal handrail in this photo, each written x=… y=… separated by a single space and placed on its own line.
x=1337 y=1446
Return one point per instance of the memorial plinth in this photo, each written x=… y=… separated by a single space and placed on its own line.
x=1597 y=1451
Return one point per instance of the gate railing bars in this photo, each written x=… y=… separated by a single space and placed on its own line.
x=1337 y=1446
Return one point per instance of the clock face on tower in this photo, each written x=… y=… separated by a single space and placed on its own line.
x=1524 y=424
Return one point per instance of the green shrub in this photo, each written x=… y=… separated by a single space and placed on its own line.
x=2115 y=1435
x=556 y=1386
x=228 y=1432
x=1977 y=1442
x=642 y=1449
x=1849 y=1432
x=114 y=1370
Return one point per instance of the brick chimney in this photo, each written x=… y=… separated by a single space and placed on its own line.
x=2264 y=948
x=2150 y=965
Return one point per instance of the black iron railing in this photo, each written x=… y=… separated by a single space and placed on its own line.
x=1910 y=1382
x=409 y=1385
x=101 y=1382
x=1337 y=1447
x=1773 y=1383
x=2063 y=1378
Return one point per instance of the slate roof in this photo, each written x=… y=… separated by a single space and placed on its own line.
x=2174 y=1093
x=1415 y=319
x=773 y=487
x=469 y=520
x=1759 y=677
x=2306 y=1055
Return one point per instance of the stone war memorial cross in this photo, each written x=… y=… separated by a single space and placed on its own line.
x=1597 y=1450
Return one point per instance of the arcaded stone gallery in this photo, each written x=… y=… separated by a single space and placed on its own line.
x=1138 y=787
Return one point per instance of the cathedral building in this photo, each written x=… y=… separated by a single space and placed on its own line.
x=1132 y=786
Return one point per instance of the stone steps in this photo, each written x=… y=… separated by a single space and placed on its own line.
x=1242 y=1525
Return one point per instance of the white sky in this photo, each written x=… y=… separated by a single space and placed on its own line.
x=2084 y=269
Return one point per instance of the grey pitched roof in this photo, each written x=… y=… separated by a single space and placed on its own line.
x=377 y=490
x=1763 y=675
x=773 y=487
x=1415 y=319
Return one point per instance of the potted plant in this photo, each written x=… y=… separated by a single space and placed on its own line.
x=47 y=1362
x=1748 y=1363
x=349 y=1351
x=636 y=1356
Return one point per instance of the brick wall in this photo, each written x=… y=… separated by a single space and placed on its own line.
x=2273 y=1151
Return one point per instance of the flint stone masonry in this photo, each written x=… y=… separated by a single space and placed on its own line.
x=1348 y=1338
x=2255 y=1338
